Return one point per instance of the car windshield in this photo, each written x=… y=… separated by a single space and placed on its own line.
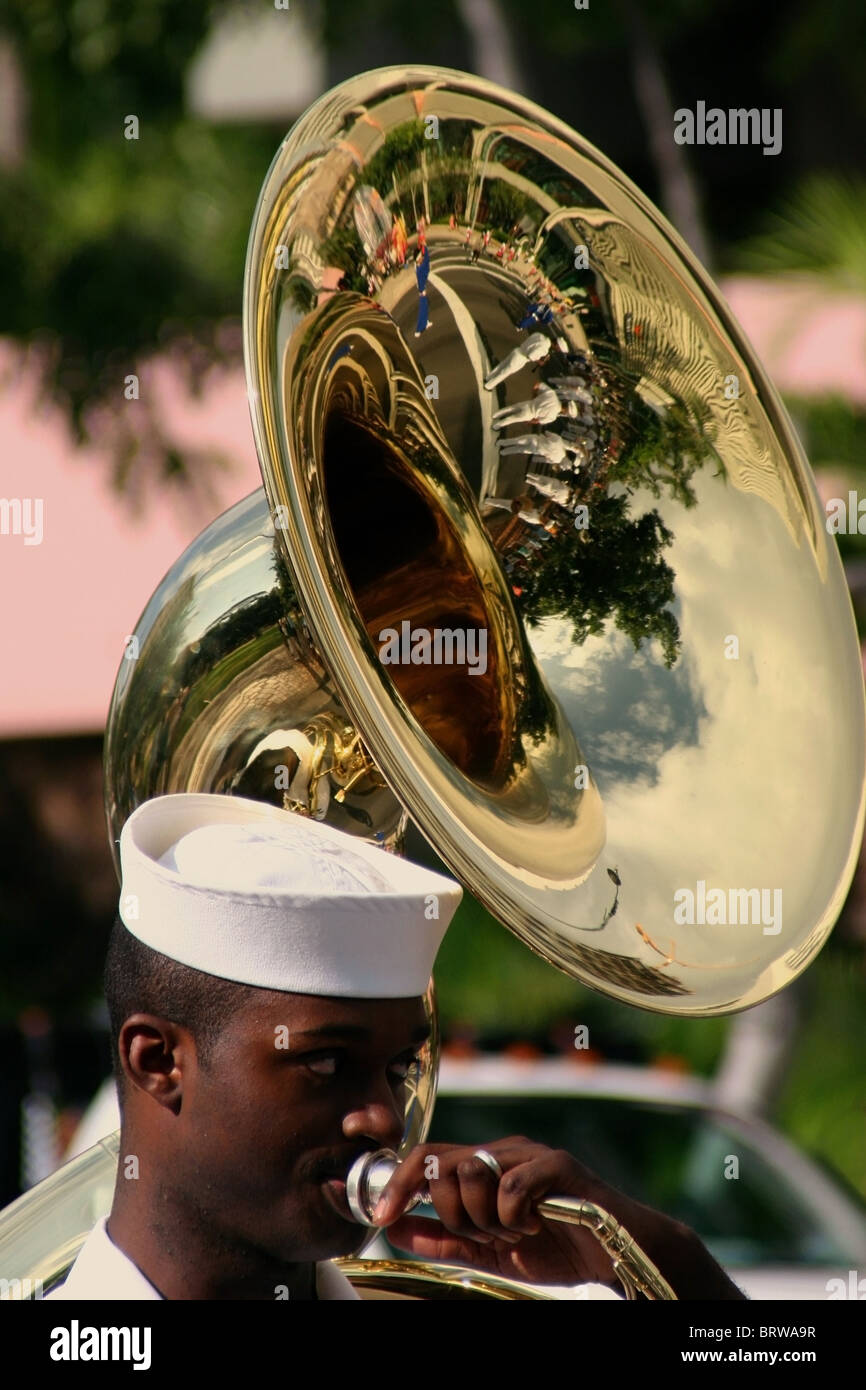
x=672 y=1159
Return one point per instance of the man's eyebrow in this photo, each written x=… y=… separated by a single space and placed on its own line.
x=334 y=1030
x=356 y=1032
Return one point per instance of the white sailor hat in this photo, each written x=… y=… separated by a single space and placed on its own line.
x=253 y=893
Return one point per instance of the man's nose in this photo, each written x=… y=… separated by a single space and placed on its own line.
x=381 y=1117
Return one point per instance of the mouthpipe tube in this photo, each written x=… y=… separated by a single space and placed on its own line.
x=369 y=1176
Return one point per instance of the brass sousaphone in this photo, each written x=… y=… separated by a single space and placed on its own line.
x=539 y=563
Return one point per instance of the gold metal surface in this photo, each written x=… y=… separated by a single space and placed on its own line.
x=632 y=1265
x=403 y=1279
x=657 y=780
x=691 y=646
x=220 y=677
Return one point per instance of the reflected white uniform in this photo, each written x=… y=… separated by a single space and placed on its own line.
x=553 y=488
x=572 y=388
x=103 y=1272
x=548 y=446
x=504 y=505
x=543 y=408
x=534 y=349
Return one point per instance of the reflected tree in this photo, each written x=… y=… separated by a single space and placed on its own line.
x=665 y=452
x=613 y=570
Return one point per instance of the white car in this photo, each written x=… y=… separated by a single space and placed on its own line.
x=781 y=1226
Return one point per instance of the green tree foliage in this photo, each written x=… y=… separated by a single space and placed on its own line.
x=665 y=454
x=112 y=249
x=612 y=570
x=818 y=229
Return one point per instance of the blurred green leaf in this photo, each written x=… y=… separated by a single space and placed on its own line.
x=820 y=230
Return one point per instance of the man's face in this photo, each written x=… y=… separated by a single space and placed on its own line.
x=295 y=1088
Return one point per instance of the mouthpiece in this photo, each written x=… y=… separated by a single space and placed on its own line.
x=366 y=1181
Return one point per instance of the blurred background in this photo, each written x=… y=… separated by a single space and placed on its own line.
x=124 y=258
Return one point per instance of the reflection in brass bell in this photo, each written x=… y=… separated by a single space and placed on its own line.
x=494 y=393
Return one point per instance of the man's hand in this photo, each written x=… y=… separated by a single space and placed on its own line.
x=490 y=1223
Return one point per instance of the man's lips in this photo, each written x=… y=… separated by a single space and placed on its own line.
x=332 y=1176
x=335 y=1193
x=337 y=1167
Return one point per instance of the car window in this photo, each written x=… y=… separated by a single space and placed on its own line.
x=674 y=1160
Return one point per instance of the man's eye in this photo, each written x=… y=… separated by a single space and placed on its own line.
x=328 y=1064
x=324 y=1066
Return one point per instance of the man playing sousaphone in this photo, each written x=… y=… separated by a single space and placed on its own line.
x=265 y=982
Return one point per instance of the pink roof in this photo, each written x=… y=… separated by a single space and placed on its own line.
x=809 y=336
x=69 y=603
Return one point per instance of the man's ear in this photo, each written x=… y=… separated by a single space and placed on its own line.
x=157 y=1056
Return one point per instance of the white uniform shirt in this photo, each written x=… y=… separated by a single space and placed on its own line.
x=103 y=1271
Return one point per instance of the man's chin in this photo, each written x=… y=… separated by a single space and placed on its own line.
x=327 y=1225
x=330 y=1244
x=345 y=1235
x=350 y=1244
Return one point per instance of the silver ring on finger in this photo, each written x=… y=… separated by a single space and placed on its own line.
x=491 y=1162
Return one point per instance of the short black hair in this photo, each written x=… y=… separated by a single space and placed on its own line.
x=139 y=979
